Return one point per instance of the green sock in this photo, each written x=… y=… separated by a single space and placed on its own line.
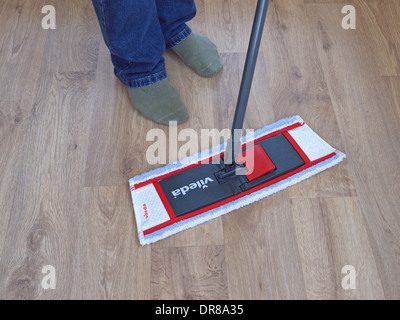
x=199 y=53
x=159 y=102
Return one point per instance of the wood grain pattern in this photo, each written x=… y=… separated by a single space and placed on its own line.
x=369 y=130
x=70 y=140
x=189 y=273
x=324 y=227
x=261 y=240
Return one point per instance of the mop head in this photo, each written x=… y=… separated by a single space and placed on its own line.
x=187 y=193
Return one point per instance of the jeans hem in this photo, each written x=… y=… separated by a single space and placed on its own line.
x=146 y=81
x=179 y=37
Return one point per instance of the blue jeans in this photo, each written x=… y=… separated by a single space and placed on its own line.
x=137 y=33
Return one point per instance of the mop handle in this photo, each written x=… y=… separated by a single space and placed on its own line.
x=248 y=72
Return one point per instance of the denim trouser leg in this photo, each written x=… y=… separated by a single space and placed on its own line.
x=173 y=15
x=137 y=32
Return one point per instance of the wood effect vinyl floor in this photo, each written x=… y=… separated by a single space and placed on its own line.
x=70 y=140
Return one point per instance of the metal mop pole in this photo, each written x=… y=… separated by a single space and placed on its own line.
x=247 y=79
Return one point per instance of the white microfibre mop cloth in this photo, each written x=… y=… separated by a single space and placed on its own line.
x=156 y=219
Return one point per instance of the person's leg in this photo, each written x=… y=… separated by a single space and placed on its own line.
x=134 y=36
x=197 y=51
x=132 y=32
x=173 y=15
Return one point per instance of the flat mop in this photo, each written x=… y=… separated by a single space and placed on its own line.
x=212 y=183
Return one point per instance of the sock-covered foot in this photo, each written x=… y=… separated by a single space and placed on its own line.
x=199 y=53
x=159 y=102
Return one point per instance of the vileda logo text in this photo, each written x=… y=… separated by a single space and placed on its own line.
x=201 y=184
x=146 y=213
